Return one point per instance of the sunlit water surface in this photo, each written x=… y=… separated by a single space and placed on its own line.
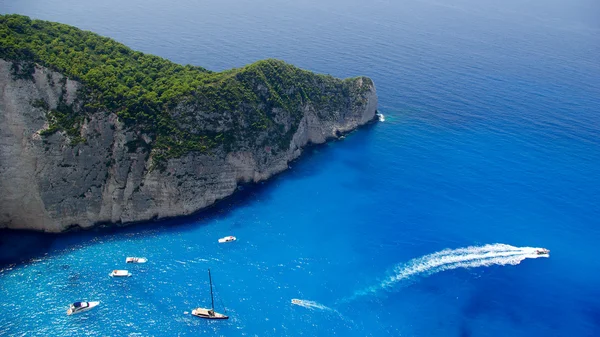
x=491 y=137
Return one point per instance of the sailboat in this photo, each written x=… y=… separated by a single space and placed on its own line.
x=209 y=313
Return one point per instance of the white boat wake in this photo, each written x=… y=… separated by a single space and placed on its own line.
x=470 y=257
x=310 y=304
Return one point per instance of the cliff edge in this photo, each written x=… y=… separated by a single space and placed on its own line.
x=75 y=152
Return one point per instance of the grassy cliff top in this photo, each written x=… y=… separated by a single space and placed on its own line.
x=144 y=90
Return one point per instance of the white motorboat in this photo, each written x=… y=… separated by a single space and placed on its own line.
x=227 y=239
x=381 y=117
x=542 y=251
x=136 y=260
x=209 y=313
x=119 y=273
x=78 y=307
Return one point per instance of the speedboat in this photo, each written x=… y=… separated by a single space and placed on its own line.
x=542 y=251
x=119 y=273
x=78 y=307
x=227 y=239
x=296 y=301
x=136 y=260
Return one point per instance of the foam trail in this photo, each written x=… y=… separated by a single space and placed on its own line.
x=310 y=304
x=470 y=257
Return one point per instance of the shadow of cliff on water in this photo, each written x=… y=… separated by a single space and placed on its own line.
x=21 y=246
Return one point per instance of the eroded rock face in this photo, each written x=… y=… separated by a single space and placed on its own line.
x=47 y=183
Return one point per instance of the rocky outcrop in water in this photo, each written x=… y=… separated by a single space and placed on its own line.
x=53 y=181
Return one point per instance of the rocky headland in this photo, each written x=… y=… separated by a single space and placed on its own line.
x=94 y=133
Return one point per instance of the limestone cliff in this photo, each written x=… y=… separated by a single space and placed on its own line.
x=105 y=171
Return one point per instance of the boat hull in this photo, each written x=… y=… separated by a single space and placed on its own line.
x=136 y=260
x=204 y=313
x=227 y=239
x=120 y=273
x=91 y=306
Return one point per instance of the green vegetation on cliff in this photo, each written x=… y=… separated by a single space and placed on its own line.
x=162 y=98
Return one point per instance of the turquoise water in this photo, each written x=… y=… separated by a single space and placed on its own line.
x=491 y=137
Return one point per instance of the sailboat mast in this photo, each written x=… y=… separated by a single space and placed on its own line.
x=212 y=299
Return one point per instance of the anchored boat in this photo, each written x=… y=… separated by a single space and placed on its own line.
x=79 y=307
x=227 y=239
x=209 y=313
x=136 y=260
x=119 y=273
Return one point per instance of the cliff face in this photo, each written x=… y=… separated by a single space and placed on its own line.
x=49 y=182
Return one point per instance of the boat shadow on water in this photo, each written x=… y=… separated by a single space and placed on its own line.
x=22 y=246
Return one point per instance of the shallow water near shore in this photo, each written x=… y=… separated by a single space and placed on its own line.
x=421 y=225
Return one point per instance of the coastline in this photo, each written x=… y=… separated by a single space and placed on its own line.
x=34 y=243
x=111 y=181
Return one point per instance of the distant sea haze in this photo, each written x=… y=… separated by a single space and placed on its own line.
x=491 y=142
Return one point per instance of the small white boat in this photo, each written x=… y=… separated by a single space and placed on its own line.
x=227 y=239
x=542 y=251
x=119 y=273
x=296 y=301
x=78 y=307
x=136 y=260
x=381 y=117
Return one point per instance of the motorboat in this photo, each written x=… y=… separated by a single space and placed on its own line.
x=119 y=273
x=542 y=251
x=209 y=313
x=381 y=117
x=78 y=307
x=136 y=260
x=227 y=239
x=296 y=301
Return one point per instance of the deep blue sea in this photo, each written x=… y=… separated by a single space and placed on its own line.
x=491 y=140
